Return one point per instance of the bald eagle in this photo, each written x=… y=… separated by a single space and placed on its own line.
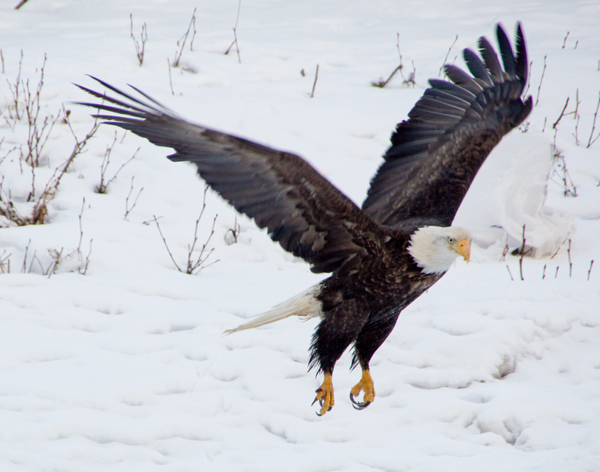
x=381 y=256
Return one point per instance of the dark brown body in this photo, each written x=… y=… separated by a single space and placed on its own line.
x=362 y=307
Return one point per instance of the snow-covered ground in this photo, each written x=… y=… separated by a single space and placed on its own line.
x=125 y=368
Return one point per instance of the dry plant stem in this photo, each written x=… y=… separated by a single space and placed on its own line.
x=127 y=209
x=5 y=263
x=509 y=273
x=139 y=48
x=16 y=93
x=24 y=267
x=2 y=60
x=562 y=172
x=556 y=273
x=56 y=261
x=412 y=77
x=165 y=242
x=40 y=209
x=193 y=22
x=562 y=113
x=592 y=140
x=83 y=270
x=569 y=255
x=522 y=255
x=382 y=83
x=235 y=232
x=565 y=40
x=537 y=98
x=27 y=104
x=590 y=271
x=199 y=264
x=235 y=39
x=399 y=53
x=544 y=272
x=312 y=93
x=170 y=79
x=103 y=185
x=80 y=225
x=505 y=250
x=21 y=3
x=183 y=40
x=447 y=55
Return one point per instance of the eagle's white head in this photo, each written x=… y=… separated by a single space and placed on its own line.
x=434 y=248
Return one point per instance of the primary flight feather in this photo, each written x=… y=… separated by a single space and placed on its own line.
x=384 y=255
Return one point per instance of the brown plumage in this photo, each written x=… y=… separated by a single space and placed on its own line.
x=384 y=255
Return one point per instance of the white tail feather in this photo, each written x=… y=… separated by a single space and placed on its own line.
x=304 y=304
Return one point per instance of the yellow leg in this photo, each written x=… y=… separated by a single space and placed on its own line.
x=325 y=395
x=365 y=385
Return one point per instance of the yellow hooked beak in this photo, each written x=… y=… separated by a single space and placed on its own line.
x=464 y=249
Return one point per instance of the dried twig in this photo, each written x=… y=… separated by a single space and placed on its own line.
x=139 y=48
x=592 y=140
x=590 y=271
x=562 y=113
x=235 y=232
x=312 y=93
x=183 y=40
x=537 y=98
x=21 y=3
x=569 y=256
x=102 y=187
x=24 y=267
x=446 y=58
x=194 y=266
x=127 y=208
x=5 y=262
x=83 y=270
x=382 y=83
x=522 y=255
x=509 y=273
x=559 y=168
x=235 y=38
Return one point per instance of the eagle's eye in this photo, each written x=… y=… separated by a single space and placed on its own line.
x=450 y=240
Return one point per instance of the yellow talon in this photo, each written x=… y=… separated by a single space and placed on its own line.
x=365 y=385
x=325 y=395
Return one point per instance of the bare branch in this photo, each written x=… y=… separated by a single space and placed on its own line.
x=312 y=93
x=183 y=40
x=537 y=98
x=592 y=140
x=139 y=48
x=447 y=55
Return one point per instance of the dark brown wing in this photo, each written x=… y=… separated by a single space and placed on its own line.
x=301 y=209
x=451 y=130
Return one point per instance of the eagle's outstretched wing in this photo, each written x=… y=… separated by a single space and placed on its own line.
x=301 y=209
x=436 y=153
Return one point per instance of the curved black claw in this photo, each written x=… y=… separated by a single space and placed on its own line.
x=358 y=405
x=321 y=402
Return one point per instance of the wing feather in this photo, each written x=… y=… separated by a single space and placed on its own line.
x=437 y=152
x=301 y=209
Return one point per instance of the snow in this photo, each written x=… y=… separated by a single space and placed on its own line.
x=126 y=368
